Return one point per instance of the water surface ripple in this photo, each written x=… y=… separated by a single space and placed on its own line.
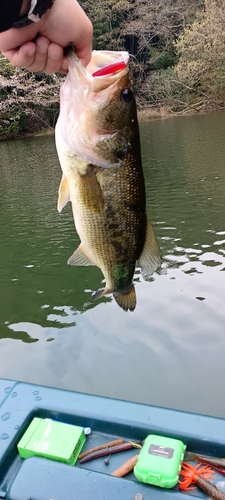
x=170 y=350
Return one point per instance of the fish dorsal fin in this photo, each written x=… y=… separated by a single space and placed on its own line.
x=64 y=195
x=78 y=258
x=150 y=258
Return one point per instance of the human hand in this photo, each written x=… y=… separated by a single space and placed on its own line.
x=39 y=46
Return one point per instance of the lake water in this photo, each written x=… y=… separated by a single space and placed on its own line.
x=171 y=350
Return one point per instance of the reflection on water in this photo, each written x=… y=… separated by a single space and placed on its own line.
x=169 y=351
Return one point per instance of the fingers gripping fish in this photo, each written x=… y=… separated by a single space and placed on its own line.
x=98 y=145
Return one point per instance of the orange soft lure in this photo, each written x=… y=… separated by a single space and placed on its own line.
x=191 y=473
x=200 y=475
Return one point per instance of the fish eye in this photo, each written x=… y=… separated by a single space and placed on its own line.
x=126 y=95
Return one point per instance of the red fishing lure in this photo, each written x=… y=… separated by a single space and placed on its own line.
x=111 y=68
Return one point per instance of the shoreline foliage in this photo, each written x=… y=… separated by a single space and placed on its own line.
x=177 y=58
x=29 y=102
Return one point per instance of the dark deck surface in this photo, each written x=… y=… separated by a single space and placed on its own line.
x=37 y=478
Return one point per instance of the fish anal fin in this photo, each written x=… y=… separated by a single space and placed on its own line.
x=79 y=258
x=64 y=195
x=100 y=293
x=151 y=257
x=126 y=300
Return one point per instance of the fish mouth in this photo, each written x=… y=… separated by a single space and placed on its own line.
x=84 y=92
x=107 y=67
x=103 y=59
x=104 y=69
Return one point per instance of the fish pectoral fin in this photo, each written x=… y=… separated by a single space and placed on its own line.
x=126 y=300
x=151 y=257
x=79 y=258
x=64 y=195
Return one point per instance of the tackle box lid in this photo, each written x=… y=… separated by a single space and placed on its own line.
x=159 y=461
x=54 y=440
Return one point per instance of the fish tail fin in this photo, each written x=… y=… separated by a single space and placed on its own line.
x=126 y=300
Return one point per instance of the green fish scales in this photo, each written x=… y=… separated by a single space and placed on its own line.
x=103 y=177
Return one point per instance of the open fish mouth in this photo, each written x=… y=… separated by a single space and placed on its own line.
x=107 y=64
x=103 y=62
x=103 y=70
x=85 y=93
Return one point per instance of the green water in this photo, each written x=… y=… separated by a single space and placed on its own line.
x=171 y=350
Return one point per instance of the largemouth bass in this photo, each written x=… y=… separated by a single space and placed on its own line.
x=98 y=144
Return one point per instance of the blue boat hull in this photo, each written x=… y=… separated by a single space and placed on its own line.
x=38 y=478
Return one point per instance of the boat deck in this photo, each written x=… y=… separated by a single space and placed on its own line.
x=37 y=478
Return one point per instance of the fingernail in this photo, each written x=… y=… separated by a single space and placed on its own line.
x=55 y=52
x=31 y=51
x=43 y=49
x=54 y=56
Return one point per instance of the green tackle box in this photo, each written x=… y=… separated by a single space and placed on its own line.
x=159 y=461
x=54 y=440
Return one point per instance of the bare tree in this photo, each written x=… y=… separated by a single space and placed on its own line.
x=29 y=102
x=201 y=48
